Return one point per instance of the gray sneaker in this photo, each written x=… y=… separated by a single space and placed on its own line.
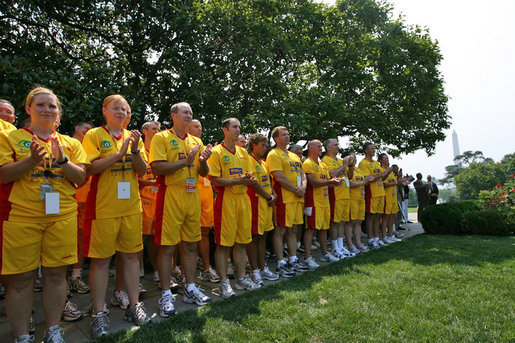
x=195 y=296
x=256 y=277
x=226 y=289
x=79 y=286
x=120 y=298
x=310 y=261
x=54 y=335
x=285 y=271
x=363 y=248
x=267 y=274
x=210 y=275
x=99 y=325
x=298 y=267
x=71 y=312
x=137 y=314
x=246 y=284
x=24 y=339
x=353 y=249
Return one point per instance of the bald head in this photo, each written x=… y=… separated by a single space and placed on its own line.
x=195 y=128
x=314 y=148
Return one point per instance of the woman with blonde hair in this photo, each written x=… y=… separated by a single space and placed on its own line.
x=38 y=213
x=113 y=216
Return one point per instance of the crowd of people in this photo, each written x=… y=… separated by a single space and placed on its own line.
x=108 y=191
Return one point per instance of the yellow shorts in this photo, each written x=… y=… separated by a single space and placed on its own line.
x=289 y=214
x=319 y=218
x=357 y=209
x=177 y=216
x=341 y=211
x=233 y=218
x=101 y=238
x=374 y=205
x=262 y=215
x=391 y=206
x=26 y=246
x=81 y=214
x=206 y=203
x=149 y=209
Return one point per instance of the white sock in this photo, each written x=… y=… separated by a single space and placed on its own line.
x=285 y=246
x=298 y=245
x=256 y=272
x=190 y=287
x=334 y=244
x=167 y=292
x=340 y=243
x=281 y=262
x=293 y=259
x=76 y=273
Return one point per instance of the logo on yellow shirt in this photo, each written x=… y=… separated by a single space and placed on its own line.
x=105 y=144
x=235 y=171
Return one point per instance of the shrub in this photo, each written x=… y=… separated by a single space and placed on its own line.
x=449 y=218
x=499 y=197
x=488 y=222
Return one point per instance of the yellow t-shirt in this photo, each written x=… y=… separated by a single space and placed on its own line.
x=6 y=126
x=357 y=193
x=20 y=200
x=319 y=196
x=340 y=192
x=103 y=194
x=391 y=191
x=290 y=164
x=168 y=146
x=261 y=174
x=373 y=168
x=229 y=165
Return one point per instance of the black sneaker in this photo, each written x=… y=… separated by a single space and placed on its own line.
x=298 y=267
x=285 y=271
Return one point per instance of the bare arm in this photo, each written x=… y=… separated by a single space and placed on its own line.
x=99 y=165
x=246 y=179
x=279 y=177
x=165 y=168
x=315 y=183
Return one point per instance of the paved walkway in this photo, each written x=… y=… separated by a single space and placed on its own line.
x=79 y=331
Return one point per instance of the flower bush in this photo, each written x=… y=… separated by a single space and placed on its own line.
x=500 y=197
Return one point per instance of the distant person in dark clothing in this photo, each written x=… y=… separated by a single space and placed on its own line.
x=433 y=191
x=422 y=194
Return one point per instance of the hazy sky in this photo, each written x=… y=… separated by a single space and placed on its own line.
x=477 y=41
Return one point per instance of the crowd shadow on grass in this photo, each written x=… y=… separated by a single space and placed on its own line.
x=426 y=250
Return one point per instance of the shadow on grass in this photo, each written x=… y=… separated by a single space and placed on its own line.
x=426 y=250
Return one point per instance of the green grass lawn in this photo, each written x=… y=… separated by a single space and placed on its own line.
x=412 y=209
x=424 y=289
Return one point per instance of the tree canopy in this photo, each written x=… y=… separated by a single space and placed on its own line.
x=322 y=71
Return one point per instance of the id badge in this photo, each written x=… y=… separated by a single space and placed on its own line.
x=362 y=192
x=45 y=188
x=347 y=183
x=207 y=183
x=191 y=185
x=299 y=181
x=124 y=190
x=326 y=193
x=52 y=203
x=379 y=183
x=308 y=211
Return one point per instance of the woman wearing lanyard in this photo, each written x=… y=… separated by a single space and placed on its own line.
x=38 y=213
x=113 y=210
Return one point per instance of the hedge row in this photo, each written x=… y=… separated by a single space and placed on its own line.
x=465 y=218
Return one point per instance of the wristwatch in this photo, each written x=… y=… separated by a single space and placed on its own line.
x=136 y=151
x=63 y=161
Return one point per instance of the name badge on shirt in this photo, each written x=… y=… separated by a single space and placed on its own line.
x=299 y=181
x=207 y=183
x=380 y=183
x=124 y=190
x=308 y=211
x=347 y=183
x=191 y=185
x=362 y=192
x=44 y=189
x=326 y=193
x=52 y=203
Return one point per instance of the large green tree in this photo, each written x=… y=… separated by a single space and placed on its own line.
x=323 y=71
x=477 y=177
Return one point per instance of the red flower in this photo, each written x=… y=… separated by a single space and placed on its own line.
x=497 y=185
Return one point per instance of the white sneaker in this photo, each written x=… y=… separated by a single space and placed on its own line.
x=226 y=289
x=328 y=258
x=381 y=243
x=166 y=308
x=398 y=234
x=246 y=284
x=354 y=250
x=156 y=278
x=347 y=253
x=210 y=275
x=373 y=244
x=120 y=298
x=256 y=277
x=338 y=254
x=393 y=239
x=363 y=248
x=316 y=243
x=195 y=296
x=310 y=261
